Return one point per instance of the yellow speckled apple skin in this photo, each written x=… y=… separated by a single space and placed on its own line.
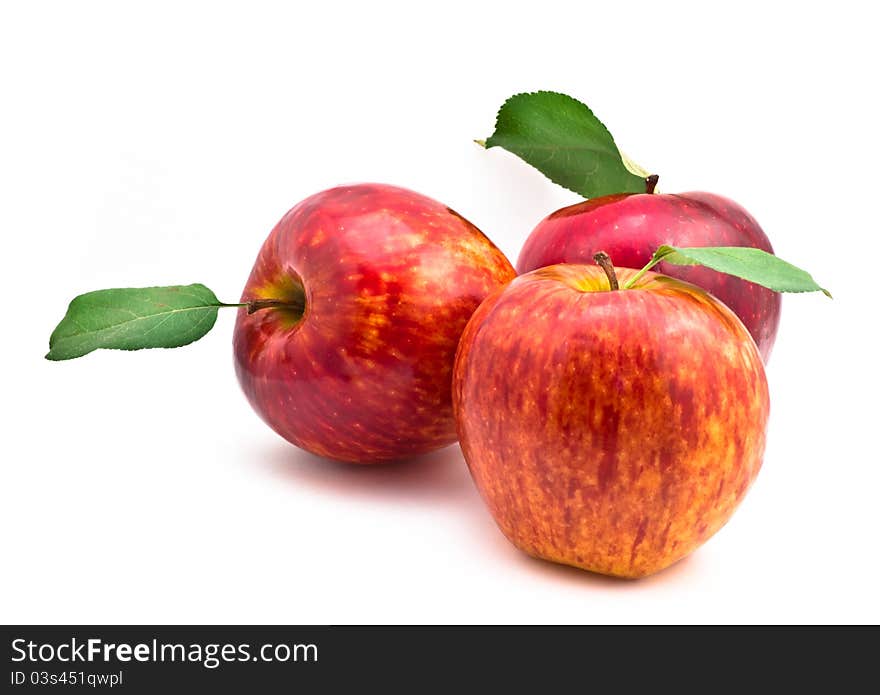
x=614 y=431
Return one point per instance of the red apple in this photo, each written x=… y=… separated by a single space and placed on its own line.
x=368 y=288
x=614 y=431
x=629 y=227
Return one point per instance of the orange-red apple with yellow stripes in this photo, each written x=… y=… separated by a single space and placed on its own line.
x=612 y=430
x=363 y=293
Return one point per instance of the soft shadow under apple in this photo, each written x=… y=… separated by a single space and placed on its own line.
x=441 y=479
x=438 y=478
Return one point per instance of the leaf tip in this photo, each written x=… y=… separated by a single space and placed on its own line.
x=481 y=143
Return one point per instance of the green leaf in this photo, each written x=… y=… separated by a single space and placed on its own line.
x=747 y=263
x=134 y=318
x=561 y=138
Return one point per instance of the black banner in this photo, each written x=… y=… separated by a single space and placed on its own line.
x=150 y=659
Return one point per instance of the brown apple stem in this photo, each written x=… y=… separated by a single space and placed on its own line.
x=604 y=261
x=257 y=304
x=651 y=183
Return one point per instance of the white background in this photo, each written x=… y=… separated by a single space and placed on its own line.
x=158 y=143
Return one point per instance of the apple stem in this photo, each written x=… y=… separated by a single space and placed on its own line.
x=651 y=183
x=257 y=304
x=604 y=261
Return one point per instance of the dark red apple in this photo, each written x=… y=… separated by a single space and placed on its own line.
x=610 y=430
x=366 y=290
x=630 y=227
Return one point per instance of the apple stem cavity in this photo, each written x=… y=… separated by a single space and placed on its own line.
x=651 y=183
x=603 y=260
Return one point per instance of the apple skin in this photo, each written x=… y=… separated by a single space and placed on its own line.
x=630 y=227
x=614 y=431
x=389 y=280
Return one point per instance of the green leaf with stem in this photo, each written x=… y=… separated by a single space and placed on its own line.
x=134 y=318
x=750 y=264
x=138 y=318
x=561 y=138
